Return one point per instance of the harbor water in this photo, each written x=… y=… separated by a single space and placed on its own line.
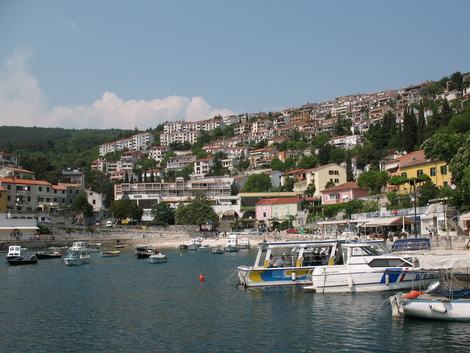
x=124 y=304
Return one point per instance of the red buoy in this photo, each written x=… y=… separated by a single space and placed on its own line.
x=201 y=278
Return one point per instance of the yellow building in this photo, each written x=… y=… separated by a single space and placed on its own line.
x=437 y=170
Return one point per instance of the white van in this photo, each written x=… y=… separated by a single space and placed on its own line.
x=109 y=223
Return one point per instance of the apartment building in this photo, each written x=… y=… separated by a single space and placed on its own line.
x=147 y=195
x=182 y=136
x=158 y=152
x=25 y=195
x=179 y=162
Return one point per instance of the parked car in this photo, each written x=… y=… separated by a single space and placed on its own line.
x=292 y=231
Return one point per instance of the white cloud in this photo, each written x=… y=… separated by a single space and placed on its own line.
x=22 y=104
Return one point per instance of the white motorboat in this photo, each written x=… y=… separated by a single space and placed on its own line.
x=232 y=243
x=195 y=243
x=77 y=254
x=244 y=243
x=157 y=258
x=331 y=266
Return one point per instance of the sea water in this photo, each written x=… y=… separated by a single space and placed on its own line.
x=124 y=304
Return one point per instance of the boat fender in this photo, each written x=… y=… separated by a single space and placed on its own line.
x=387 y=279
x=438 y=307
x=201 y=278
x=350 y=282
x=294 y=276
x=413 y=294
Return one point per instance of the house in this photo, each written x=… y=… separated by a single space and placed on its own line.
x=8 y=172
x=96 y=200
x=343 y=193
x=414 y=165
x=318 y=176
x=279 y=210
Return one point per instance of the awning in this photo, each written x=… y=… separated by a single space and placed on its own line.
x=18 y=227
x=465 y=217
x=389 y=221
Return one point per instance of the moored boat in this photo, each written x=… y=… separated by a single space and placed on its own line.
x=157 y=258
x=331 y=266
x=447 y=299
x=32 y=260
x=195 y=243
x=232 y=243
x=204 y=248
x=43 y=255
x=244 y=244
x=110 y=253
x=77 y=254
x=218 y=250
x=144 y=251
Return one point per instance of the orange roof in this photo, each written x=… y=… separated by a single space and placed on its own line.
x=278 y=201
x=24 y=181
x=347 y=185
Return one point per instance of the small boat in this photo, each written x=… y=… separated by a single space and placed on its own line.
x=92 y=250
x=144 y=252
x=77 y=254
x=447 y=299
x=204 y=248
x=218 y=250
x=157 y=258
x=183 y=247
x=195 y=243
x=119 y=246
x=232 y=244
x=14 y=252
x=110 y=253
x=55 y=254
x=32 y=260
x=244 y=244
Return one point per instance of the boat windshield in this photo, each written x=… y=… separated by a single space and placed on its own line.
x=364 y=251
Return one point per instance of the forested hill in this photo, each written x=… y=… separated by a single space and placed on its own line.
x=62 y=148
x=17 y=140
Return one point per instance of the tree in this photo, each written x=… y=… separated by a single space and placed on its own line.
x=288 y=184
x=373 y=180
x=198 y=212
x=82 y=205
x=163 y=214
x=289 y=164
x=308 y=162
x=410 y=125
x=310 y=191
x=277 y=164
x=257 y=183
x=126 y=208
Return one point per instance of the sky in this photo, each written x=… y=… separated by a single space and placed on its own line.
x=136 y=64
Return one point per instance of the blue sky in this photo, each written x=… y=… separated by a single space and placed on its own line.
x=125 y=64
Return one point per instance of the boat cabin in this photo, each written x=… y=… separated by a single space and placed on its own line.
x=14 y=251
x=78 y=246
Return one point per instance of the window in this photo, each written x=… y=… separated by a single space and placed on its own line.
x=404 y=175
x=432 y=171
x=40 y=188
x=444 y=169
x=420 y=172
x=264 y=214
